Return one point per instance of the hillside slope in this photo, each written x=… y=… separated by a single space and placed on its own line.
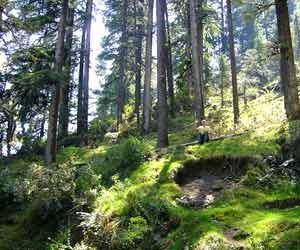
x=221 y=195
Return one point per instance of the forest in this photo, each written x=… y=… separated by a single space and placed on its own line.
x=149 y=125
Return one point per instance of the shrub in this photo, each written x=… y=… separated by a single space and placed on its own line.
x=266 y=178
x=8 y=192
x=86 y=179
x=32 y=147
x=122 y=159
x=71 y=140
x=99 y=127
x=133 y=235
x=98 y=230
x=61 y=241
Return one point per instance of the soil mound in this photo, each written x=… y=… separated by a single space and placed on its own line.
x=203 y=180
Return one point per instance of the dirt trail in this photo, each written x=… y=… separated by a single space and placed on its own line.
x=202 y=181
x=203 y=191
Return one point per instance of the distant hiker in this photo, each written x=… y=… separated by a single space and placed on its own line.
x=203 y=131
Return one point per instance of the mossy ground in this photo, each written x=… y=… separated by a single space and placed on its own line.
x=152 y=183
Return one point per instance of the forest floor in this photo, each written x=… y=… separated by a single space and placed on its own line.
x=216 y=196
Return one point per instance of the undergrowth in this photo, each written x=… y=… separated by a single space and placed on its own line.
x=124 y=196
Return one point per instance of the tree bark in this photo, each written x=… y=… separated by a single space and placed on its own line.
x=42 y=126
x=188 y=53
x=223 y=36
x=138 y=59
x=65 y=89
x=123 y=61
x=287 y=64
x=223 y=51
x=196 y=60
x=11 y=127
x=55 y=89
x=148 y=71
x=201 y=46
x=235 y=99
x=80 y=82
x=297 y=37
x=222 y=76
x=245 y=93
x=1 y=144
x=169 y=65
x=87 y=51
x=162 y=140
x=1 y=13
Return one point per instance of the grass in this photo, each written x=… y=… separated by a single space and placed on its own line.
x=246 y=145
x=148 y=189
x=240 y=208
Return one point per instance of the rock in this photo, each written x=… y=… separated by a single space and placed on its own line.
x=236 y=234
x=283 y=204
x=161 y=152
x=184 y=201
x=218 y=186
x=288 y=163
x=270 y=161
x=111 y=137
x=215 y=242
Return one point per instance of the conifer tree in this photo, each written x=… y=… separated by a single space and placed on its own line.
x=196 y=59
x=162 y=121
x=235 y=99
x=121 y=89
x=65 y=89
x=55 y=88
x=287 y=64
x=148 y=70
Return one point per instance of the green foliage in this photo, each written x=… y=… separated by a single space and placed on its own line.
x=44 y=184
x=122 y=159
x=133 y=235
x=99 y=231
x=245 y=145
x=61 y=241
x=32 y=146
x=7 y=188
x=99 y=127
x=136 y=206
x=128 y=126
x=86 y=179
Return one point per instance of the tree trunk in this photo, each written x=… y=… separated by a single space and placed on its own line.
x=201 y=52
x=297 y=37
x=169 y=66
x=197 y=67
x=1 y=13
x=65 y=89
x=85 y=101
x=11 y=127
x=80 y=82
x=123 y=61
x=223 y=36
x=222 y=76
x=138 y=59
x=235 y=98
x=1 y=145
x=162 y=123
x=188 y=53
x=223 y=51
x=287 y=64
x=42 y=127
x=55 y=89
x=245 y=94
x=265 y=26
x=148 y=71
